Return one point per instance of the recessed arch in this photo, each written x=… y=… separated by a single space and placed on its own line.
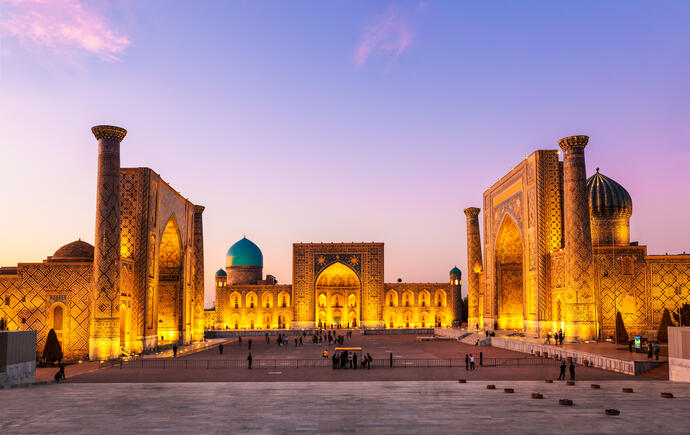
x=440 y=298
x=170 y=275
x=251 y=300
x=338 y=288
x=509 y=276
x=407 y=299
x=424 y=298
x=284 y=299
x=391 y=298
x=235 y=300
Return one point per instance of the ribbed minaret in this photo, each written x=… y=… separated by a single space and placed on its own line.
x=104 y=340
x=579 y=265
x=474 y=268
x=198 y=296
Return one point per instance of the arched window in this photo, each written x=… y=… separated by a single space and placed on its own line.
x=284 y=299
x=440 y=298
x=322 y=300
x=424 y=298
x=408 y=298
x=251 y=300
x=392 y=298
x=352 y=301
x=267 y=300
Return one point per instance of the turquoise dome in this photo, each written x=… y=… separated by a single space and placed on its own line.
x=455 y=271
x=244 y=253
x=221 y=272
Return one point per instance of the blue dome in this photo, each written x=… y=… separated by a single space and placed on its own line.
x=244 y=253
x=455 y=271
x=221 y=272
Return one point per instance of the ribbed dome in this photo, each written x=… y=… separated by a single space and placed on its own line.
x=607 y=198
x=455 y=271
x=77 y=251
x=244 y=253
x=221 y=272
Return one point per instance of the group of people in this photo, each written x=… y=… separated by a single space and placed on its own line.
x=557 y=337
x=348 y=360
x=653 y=349
x=469 y=361
x=571 y=368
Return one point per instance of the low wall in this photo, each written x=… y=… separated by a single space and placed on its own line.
x=17 y=357
x=404 y=331
x=233 y=333
x=679 y=354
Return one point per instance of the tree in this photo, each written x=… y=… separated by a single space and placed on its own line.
x=662 y=334
x=621 y=333
x=52 y=351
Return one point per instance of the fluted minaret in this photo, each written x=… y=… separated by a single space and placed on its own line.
x=198 y=296
x=579 y=265
x=104 y=340
x=474 y=268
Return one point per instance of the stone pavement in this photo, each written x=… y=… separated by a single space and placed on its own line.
x=360 y=407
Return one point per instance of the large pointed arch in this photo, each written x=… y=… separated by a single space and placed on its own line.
x=509 y=294
x=169 y=297
x=337 y=287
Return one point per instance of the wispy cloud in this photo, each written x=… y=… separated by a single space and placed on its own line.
x=390 y=35
x=61 y=26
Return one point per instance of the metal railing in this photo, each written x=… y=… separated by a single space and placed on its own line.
x=190 y=363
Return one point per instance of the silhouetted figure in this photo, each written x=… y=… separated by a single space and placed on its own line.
x=267 y=339
x=471 y=362
x=220 y=349
x=60 y=375
x=548 y=338
x=481 y=359
x=649 y=350
x=572 y=371
x=369 y=359
x=467 y=362
x=174 y=351
x=300 y=341
x=240 y=341
x=561 y=377
x=354 y=361
x=560 y=337
x=657 y=349
x=630 y=345
x=249 y=360
x=335 y=360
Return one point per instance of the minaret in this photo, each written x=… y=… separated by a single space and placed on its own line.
x=579 y=265
x=456 y=287
x=104 y=340
x=198 y=278
x=474 y=268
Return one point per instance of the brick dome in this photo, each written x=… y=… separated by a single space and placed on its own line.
x=77 y=251
x=607 y=198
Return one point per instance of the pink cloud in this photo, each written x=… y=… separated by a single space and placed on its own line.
x=391 y=34
x=61 y=25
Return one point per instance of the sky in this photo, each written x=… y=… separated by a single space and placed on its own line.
x=315 y=121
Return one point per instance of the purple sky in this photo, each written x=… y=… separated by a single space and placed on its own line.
x=337 y=121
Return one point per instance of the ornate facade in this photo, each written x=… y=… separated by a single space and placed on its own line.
x=334 y=284
x=557 y=254
x=142 y=285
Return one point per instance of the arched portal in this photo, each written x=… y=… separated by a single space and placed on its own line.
x=124 y=327
x=57 y=314
x=340 y=287
x=170 y=277
x=509 y=276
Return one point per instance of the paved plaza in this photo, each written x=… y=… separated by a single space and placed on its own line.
x=360 y=407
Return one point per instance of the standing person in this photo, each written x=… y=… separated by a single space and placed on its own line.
x=220 y=348
x=335 y=360
x=471 y=362
x=467 y=362
x=649 y=350
x=368 y=361
x=630 y=345
x=174 y=351
x=481 y=359
x=249 y=361
x=548 y=338
x=296 y=342
x=561 y=377
x=560 y=337
x=240 y=341
x=249 y=343
x=325 y=353
x=354 y=361
x=657 y=348
x=572 y=371
x=267 y=337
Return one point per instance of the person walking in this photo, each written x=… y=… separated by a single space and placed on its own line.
x=325 y=353
x=481 y=359
x=220 y=348
x=548 y=338
x=300 y=342
x=368 y=361
x=354 y=361
x=649 y=350
x=630 y=345
x=561 y=377
x=572 y=371
x=467 y=362
x=471 y=362
x=240 y=341
x=174 y=351
x=249 y=361
x=657 y=349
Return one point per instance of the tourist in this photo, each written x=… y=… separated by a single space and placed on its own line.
x=471 y=362
x=630 y=345
x=220 y=348
x=369 y=359
x=60 y=375
x=335 y=360
x=267 y=337
x=649 y=350
x=174 y=351
x=349 y=360
x=560 y=337
x=657 y=349
x=572 y=371
x=297 y=341
x=325 y=353
x=300 y=342
x=249 y=343
x=487 y=333
x=548 y=338
x=240 y=341
x=467 y=362
x=481 y=359
x=249 y=360
x=354 y=361
x=561 y=377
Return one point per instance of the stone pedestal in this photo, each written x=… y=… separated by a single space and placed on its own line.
x=104 y=340
x=579 y=265
x=474 y=267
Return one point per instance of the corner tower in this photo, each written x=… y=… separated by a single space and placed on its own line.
x=474 y=268
x=104 y=342
x=456 y=286
x=579 y=264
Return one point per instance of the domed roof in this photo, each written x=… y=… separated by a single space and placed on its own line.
x=607 y=198
x=455 y=271
x=221 y=272
x=77 y=251
x=244 y=253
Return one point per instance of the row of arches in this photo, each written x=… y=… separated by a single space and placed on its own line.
x=337 y=301
x=409 y=320
x=256 y=321
x=251 y=300
x=423 y=299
